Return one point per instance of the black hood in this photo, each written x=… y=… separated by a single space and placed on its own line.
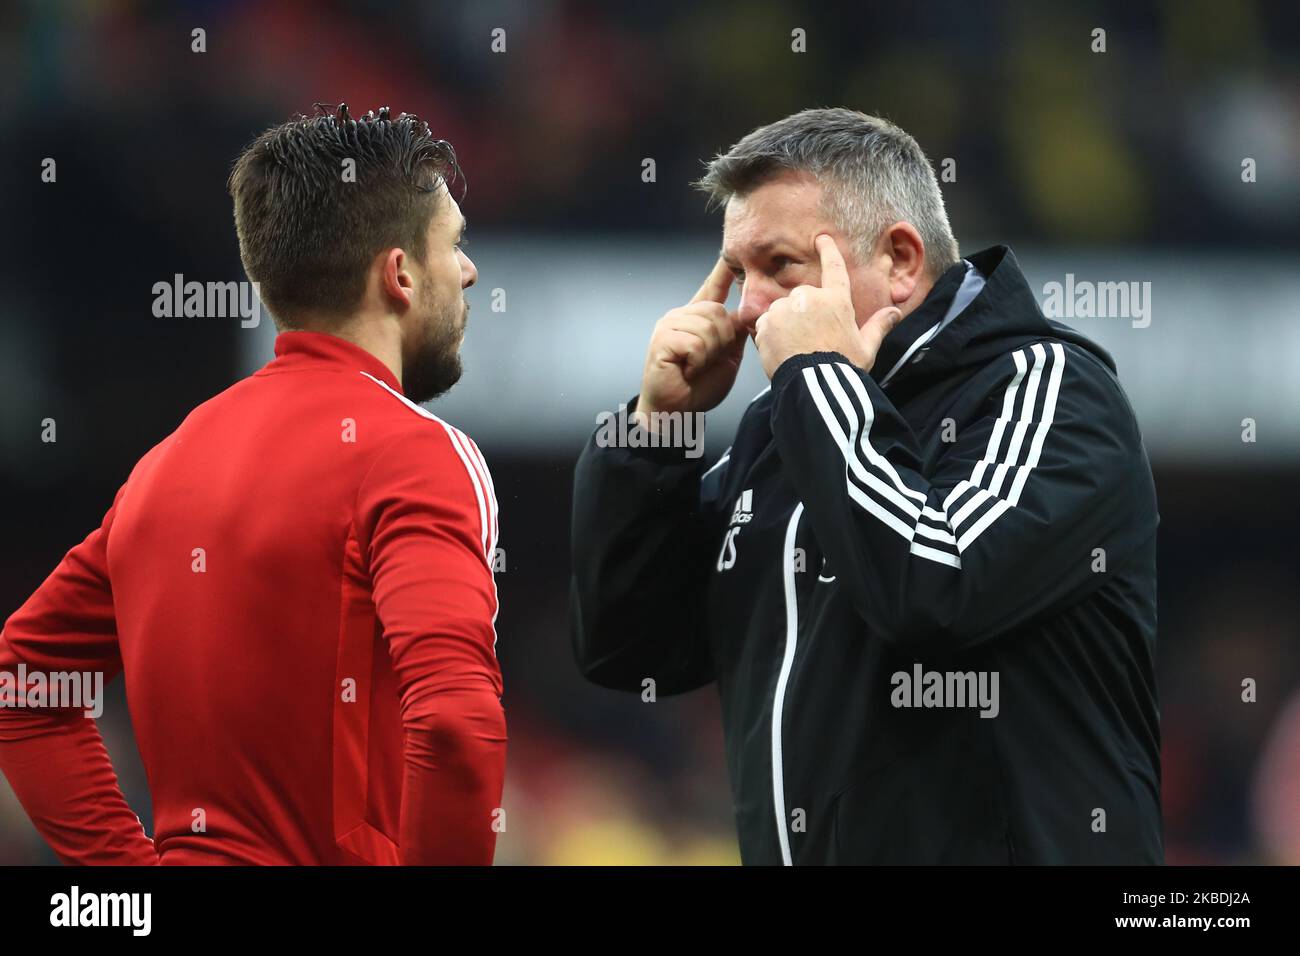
x=1003 y=317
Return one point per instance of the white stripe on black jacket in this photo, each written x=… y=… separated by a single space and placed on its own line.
x=990 y=509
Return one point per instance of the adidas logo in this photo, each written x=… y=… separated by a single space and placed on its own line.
x=744 y=512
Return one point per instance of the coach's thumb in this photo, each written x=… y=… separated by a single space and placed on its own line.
x=873 y=331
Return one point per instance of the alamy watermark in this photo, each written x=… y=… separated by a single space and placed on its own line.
x=133 y=911
x=955 y=689
x=1098 y=300
x=208 y=300
x=56 y=689
x=665 y=430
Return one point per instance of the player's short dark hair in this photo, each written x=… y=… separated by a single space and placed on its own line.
x=307 y=234
x=872 y=172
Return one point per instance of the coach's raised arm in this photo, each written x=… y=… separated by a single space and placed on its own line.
x=642 y=564
x=923 y=574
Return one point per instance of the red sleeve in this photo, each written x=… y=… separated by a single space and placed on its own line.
x=427 y=518
x=55 y=759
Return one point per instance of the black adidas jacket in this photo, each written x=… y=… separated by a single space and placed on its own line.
x=980 y=504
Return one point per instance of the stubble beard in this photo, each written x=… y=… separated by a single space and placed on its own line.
x=436 y=366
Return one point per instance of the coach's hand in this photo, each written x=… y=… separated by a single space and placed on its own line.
x=694 y=353
x=812 y=319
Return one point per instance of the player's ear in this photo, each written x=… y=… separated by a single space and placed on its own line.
x=395 y=278
x=906 y=253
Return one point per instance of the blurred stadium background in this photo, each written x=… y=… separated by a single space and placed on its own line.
x=1115 y=166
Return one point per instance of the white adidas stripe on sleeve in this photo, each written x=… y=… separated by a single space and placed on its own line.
x=877 y=487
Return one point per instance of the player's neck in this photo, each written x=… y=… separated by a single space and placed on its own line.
x=381 y=337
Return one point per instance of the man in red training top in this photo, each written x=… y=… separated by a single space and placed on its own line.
x=297 y=583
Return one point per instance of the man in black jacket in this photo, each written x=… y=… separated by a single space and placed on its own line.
x=923 y=575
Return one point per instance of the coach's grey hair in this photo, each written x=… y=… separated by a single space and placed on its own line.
x=874 y=174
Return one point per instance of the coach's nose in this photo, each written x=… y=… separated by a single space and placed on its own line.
x=756 y=297
x=468 y=272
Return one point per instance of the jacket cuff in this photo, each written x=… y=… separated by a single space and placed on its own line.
x=796 y=363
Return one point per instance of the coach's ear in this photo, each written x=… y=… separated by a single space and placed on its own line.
x=906 y=254
x=395 y=279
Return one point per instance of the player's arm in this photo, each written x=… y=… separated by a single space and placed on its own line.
x=644 y=522
x=55 y=759
x=427 y=519
x=1004 y=527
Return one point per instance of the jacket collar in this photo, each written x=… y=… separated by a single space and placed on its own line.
x=1004 y=316
x=300 y=350
x=921 y=322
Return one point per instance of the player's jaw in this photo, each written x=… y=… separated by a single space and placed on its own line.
x=432 y=365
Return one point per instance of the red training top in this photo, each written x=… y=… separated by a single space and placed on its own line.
x=297 y=585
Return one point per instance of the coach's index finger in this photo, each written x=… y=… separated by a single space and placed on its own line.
x=716 y=286
x=835 y=274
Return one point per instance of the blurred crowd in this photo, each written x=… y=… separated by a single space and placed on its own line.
x=1105 y=121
